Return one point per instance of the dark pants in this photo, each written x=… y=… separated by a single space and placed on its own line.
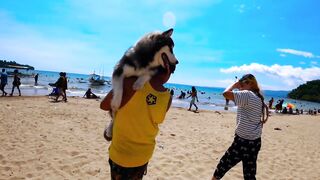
x=2 y=89
x=13 y=87
x=122 y=173
x=64 y=94
x=240 y=150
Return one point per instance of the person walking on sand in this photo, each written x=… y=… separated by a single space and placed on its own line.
x=270 y=103
x=16 y=82
x=193 y=96
x=62 y=85
x=252 y=113
x=136 y=124
x=4 y=82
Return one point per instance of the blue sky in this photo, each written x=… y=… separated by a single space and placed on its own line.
x=215 y=40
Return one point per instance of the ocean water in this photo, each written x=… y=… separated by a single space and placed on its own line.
x=210 y=98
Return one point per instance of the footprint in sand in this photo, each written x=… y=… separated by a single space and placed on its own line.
x=74 y=153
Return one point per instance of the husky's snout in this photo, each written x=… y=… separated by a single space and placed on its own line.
x=173 y=60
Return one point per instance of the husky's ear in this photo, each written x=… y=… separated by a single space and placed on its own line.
x=168 y=33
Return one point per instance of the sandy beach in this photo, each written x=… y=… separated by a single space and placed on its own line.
x=44 y=140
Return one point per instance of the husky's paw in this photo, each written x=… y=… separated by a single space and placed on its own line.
x=108 y=132
x=115 y=103
x=138 y=85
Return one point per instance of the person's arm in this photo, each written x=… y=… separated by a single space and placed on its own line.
x=169 y=103
x=106 y=102
x=228 y=94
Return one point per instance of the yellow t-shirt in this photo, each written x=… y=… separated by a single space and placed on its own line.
x=136 y=126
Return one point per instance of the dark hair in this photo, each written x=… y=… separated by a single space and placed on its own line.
x=246 y=77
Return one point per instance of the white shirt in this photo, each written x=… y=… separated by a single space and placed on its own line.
x=249 y=114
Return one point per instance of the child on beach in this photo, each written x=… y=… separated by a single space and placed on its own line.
x=252 y=113
x=193 y=96
x=136 y=124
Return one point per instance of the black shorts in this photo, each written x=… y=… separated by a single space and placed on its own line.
x=123 y=173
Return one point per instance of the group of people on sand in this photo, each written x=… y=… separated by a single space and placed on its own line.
x=289 y=109
x=15 y=83
x=297 y=111
x=61 y=85
x=136 y=125
x=314 y=111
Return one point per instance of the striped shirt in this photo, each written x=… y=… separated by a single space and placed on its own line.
x=249 y=114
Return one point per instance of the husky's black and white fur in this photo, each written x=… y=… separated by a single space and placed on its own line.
x=141 y=60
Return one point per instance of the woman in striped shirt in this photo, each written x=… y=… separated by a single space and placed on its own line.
x=252 y=113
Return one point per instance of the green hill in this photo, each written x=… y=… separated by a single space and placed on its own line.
x=14 y=65
x=308 y=92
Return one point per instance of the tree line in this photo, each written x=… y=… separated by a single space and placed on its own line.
x=13 y=64
x=309 y=91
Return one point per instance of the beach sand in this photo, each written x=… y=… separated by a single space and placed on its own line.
x=44 y=140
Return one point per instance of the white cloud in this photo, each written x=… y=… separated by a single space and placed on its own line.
x=289 y=75
x=298 y=53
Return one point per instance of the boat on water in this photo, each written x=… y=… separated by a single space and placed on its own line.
x=96 y=79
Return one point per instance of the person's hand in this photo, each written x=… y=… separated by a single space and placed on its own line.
x=236 y=85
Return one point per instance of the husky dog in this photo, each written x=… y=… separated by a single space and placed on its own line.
x=142 y=60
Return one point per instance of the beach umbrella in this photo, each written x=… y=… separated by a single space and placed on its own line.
x=289 y=105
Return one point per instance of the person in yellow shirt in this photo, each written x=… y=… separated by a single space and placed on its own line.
x=136 y=124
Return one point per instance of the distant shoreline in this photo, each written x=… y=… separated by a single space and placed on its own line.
x=210 y=98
